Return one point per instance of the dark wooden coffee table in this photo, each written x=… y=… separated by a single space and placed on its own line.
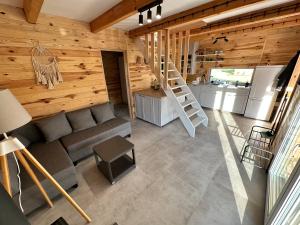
x=112 y=158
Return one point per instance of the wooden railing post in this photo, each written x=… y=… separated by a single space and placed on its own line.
x=159 y=48
x=146 y=48
x=174 y=47
x=166 y=58
x=294 y=78
x=186 y=53
x=152 y=59
x=179 y=52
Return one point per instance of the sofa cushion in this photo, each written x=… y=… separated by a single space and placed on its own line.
x=51 y=155
x=81 y=119
x=94 y=135
x=56 y=161
x=102 y=113
x=29 y=133
x=54 y=127
x=22 y=139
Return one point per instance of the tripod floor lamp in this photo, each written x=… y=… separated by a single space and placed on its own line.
x=13 y=116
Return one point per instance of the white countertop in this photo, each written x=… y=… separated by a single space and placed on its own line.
x=222 y=86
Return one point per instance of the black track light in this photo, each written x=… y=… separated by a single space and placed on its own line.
x=158 y=12
x=147 y=8
x=218 y=38
x=141 y=19
x=149 y=16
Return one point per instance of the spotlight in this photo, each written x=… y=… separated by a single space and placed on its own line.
x=147 y=8
x=149 y=16
x=158 y=12
x=218 y=38
x=141 y=19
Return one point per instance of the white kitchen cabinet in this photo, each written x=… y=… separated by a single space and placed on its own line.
x=154 y=109
x=234 y=102
x=229 y=99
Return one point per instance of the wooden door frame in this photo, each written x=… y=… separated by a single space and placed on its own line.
x=126 y=70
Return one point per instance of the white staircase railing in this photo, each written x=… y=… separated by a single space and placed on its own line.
x=188 y=108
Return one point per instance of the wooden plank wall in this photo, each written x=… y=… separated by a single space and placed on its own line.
x=140 y=74
x=255 y=47
x=78 y=52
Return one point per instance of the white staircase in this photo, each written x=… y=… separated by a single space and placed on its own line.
x=189 y=110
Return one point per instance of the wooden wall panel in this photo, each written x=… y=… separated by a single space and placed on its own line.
x=247 y=49
x=78 y=52
x=140 y=75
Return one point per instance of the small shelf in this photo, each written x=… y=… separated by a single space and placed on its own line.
x=209 y=61
x=210 y=54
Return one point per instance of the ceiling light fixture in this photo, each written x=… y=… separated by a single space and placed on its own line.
x=149 y=12
x=218 y=38
x=149 y=16
x=141 y=19
x=158 y=12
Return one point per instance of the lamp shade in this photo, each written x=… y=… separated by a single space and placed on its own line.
x=12 y=113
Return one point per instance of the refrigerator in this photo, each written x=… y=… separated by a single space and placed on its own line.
x=263 y=92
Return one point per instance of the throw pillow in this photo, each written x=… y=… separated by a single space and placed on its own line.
x=102 y=113
x=81 y=119
x=29 y=131
x=54 y=127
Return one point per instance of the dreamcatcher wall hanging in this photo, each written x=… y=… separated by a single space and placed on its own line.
x=45 y=67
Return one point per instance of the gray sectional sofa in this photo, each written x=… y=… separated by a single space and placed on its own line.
x=60 y=141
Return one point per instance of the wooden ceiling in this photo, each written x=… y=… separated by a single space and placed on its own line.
x=191 y=19
x=267 y=16
x=193 y=15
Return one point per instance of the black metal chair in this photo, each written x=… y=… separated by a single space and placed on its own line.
x=256 y=148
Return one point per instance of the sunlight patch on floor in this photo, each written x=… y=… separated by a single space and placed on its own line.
x=233 y=171
x=238 y=138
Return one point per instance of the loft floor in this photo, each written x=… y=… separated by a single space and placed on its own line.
x=178 y=180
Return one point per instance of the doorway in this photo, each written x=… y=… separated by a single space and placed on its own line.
x=116 y=81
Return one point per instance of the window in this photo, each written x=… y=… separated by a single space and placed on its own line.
x=283 y=187
x=231 y=75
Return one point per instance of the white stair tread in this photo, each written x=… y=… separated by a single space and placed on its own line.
x=192 y=112
x=197 y=121
x=178 y=86
x=168 y=71
x=181 y=93
x=173 y=78
x=187 y=102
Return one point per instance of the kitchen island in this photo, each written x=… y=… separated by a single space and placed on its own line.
x=153 y=106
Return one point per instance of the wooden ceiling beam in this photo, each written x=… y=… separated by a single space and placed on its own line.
x=121 y=11
x=32 y=9
x=193 y=15
x=250 y=19
x=257 y=27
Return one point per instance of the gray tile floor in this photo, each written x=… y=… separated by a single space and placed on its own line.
x=178 y=180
